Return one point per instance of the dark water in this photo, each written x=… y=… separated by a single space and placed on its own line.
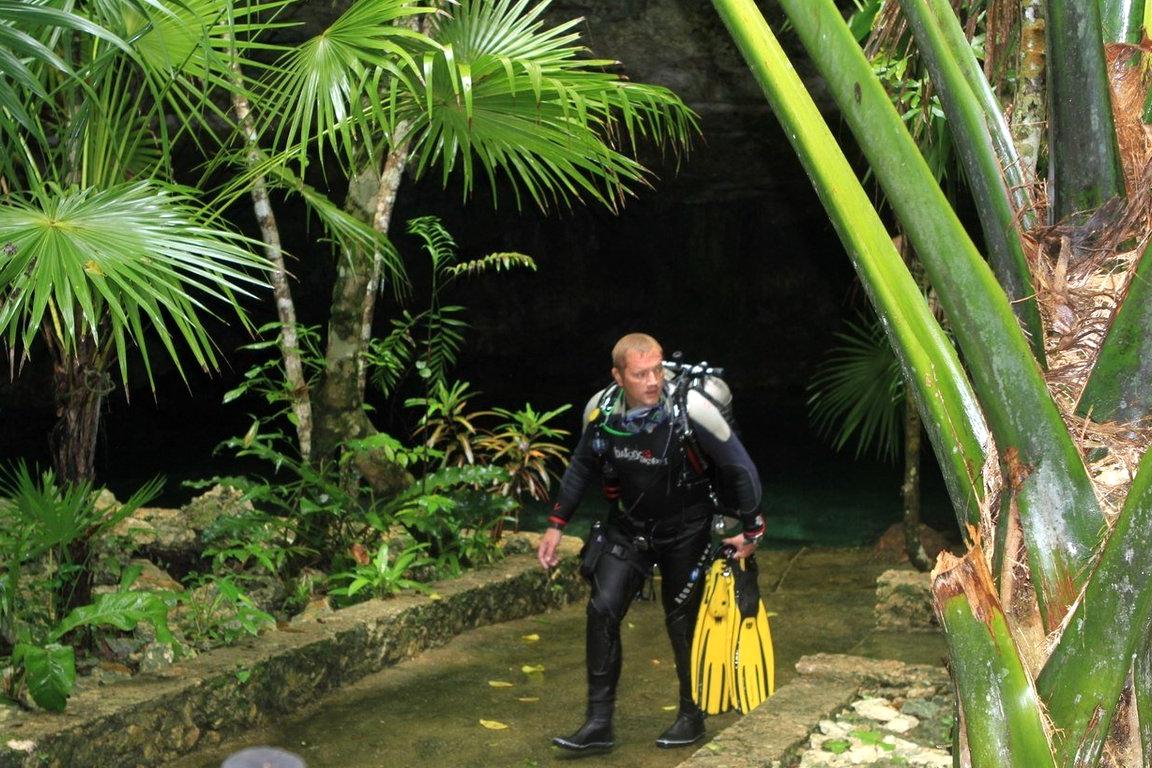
x=428 y=711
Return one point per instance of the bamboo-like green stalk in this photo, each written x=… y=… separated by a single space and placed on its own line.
x=1084 y=160
x=1015 y=176
x=1082 y=679
x=1121 y=21
x=1120 y=386
x=1002 y=713
x=943 y=393
x=1057 y=504
x=1142 y=684
x=977 y=128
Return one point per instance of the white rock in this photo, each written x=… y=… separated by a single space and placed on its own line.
x=834 y=729
x=931 y=758
x=865 y=753
x=902 y=723
x=817 y=759
x=875 y=709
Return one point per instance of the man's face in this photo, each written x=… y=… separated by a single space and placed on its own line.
x=642 y=378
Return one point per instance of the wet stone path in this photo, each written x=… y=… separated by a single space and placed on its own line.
x=493 y=696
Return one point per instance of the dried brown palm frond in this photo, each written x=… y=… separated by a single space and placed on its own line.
x=889 y=31
x=1129 y=81
x=1001 y=38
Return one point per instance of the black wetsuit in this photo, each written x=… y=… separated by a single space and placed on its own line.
x=661 y=516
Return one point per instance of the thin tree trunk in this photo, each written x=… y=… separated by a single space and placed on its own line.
x=281 y=289
x=1029 y=112
x=910 y=489
x=339 y=403
x=381 y=220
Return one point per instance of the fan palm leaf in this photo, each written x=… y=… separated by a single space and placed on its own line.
x=122 y=264
x=327 y=89
x=509 y=96
x=858 y=390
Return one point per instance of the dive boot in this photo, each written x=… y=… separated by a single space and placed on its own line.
x=595 y=734
x=688 y=729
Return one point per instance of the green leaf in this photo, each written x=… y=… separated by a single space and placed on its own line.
x=50 y=673
x=836 y=746
x=159 y=258
x=123 y=610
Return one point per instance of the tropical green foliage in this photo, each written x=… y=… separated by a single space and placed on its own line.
x=104 y=256
x=1027 y=697
x=858 y=391
x=45 y=564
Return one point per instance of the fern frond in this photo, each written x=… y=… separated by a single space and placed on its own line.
x=438 y=241
x=493 y=262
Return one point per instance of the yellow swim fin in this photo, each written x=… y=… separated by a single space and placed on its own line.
x=712 y=641
x=753 y=663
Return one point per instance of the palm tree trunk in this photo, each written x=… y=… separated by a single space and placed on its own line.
x=80 y=384
x=969 y=105
x=1025 y=421
x=281 y=289
x=1002 y=716
x=340 y=403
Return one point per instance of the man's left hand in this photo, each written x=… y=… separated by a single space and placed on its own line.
x=743 y=546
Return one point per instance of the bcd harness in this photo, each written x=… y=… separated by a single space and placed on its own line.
x=695 y=467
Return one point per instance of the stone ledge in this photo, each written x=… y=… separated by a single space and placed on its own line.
x=199 y=702
x=770 y=734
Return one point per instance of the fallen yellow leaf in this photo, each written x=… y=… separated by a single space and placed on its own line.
x=435 y=596
x=493 y=725
x=499 y=684
x=530 y=668
x=531 y=638
x=528 y=698
x=669 y=708
x=656 y=662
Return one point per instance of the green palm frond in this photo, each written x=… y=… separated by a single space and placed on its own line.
x=186 y=49
x=24 y=55
x=318 y=90
x=122 y=264
x=506 y=95
x=858 y=391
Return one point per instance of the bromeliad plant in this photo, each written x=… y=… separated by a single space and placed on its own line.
x=1049 y=613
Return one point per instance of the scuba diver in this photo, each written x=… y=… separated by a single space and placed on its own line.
x=657 y=452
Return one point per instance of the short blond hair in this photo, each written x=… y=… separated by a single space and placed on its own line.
x=633 y=342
